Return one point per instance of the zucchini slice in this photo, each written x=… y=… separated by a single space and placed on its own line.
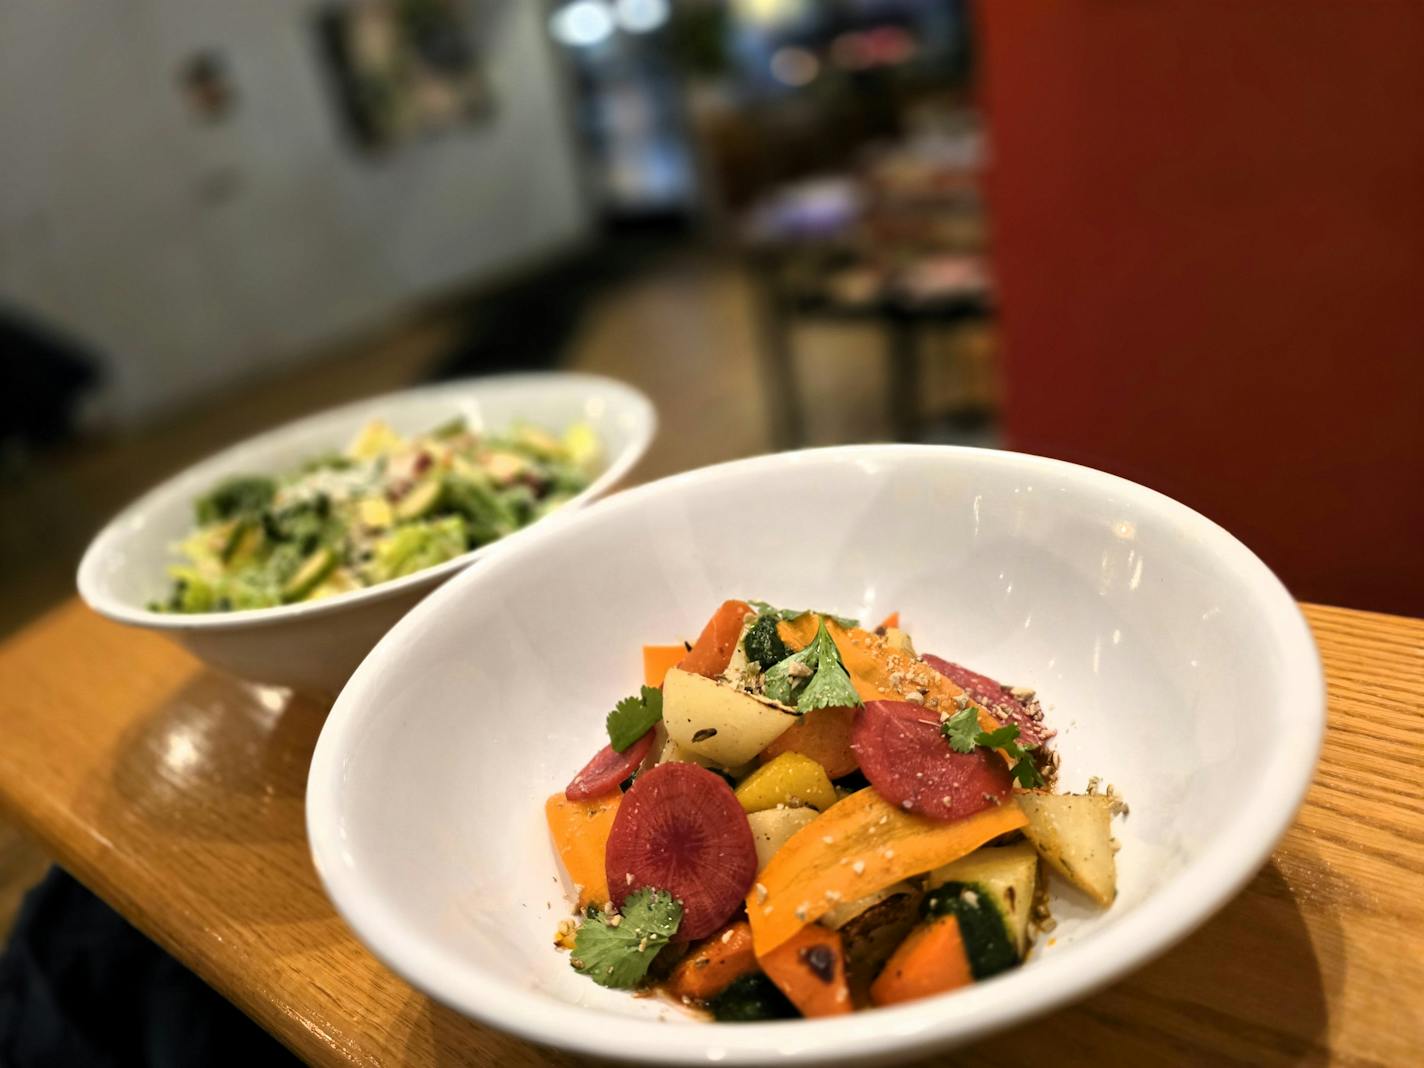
x=1008 y=874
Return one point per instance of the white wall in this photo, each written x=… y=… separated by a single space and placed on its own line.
x=114 y=223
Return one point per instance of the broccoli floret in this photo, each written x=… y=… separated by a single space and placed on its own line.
x=235 y=497
x=763 y=644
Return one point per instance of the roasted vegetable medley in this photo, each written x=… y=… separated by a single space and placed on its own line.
x=386 y=507
x=800 y=817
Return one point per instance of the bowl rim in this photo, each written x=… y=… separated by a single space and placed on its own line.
x=185 y=482
x=1172 y=912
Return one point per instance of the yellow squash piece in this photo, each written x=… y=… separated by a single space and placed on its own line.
x=856 y=847
x=791 y=780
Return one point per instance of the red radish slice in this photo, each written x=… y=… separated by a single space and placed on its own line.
x=907 y=759
x=997 y=699
x=680 y=829
x=607 y=769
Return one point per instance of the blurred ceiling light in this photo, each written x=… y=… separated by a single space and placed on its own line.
x=642 y=16
x=582 y=24
x=794 y=66
x=767 y=12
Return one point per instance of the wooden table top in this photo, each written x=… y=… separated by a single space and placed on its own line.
x=176 y=795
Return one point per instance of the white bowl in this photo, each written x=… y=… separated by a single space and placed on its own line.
x=314 y=646
x=1174 y=664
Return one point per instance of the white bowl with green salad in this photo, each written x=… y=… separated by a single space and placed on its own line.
x=283 y=559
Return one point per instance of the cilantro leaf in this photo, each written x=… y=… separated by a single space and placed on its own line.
x=813 y=678
x=1025 y=771
x=830 y=687
x=618 y=955
x=633 y=717
x=789 y=614
x=961 y=730
x=999 y=739
x=785 y=680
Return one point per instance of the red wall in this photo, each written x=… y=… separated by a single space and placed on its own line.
x=1209 y=239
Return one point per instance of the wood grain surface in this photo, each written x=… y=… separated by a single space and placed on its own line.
x=176 y=795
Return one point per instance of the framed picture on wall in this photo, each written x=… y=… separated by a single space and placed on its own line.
x=402 y=70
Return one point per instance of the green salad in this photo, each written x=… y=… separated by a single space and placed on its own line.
x=387 y=506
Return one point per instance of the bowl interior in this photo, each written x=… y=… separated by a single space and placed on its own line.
x=127 y=565
x=1170 y=660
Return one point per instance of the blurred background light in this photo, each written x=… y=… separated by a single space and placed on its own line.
x=642 y=16
x=794 y=66
x=582 y=24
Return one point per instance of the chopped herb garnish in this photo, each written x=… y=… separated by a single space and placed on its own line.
x=634 y=717
x=962 y=732
x=619 y=956
x=829 y=684
x=789 y=614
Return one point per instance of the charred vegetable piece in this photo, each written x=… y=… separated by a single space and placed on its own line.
x=809 y=967
x=987 y=942
x=750 y=999
x=871 y=929
x=858 y=846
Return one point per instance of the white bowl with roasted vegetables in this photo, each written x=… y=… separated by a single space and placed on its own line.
x=283 y=559
x=498 y=753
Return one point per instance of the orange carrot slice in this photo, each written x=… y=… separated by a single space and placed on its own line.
x=931 y=960
x=823 y=734
x=658 y=660
x=715 y=964
x=580 y=832
x=856 y=847
x=809 y=967
x=712 y=651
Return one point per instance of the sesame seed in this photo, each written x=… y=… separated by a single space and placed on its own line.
x=761 y=892
x=889 y=854
x=828 y=839
x=858 y=867
x=614 y=921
